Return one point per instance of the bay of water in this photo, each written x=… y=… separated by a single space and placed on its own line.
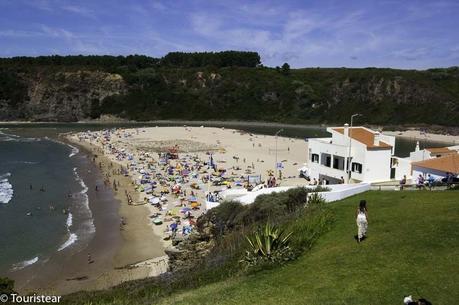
x=43 y=206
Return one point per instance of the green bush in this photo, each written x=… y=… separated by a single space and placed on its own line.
x=268 y=245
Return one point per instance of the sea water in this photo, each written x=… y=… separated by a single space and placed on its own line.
x=44 y=205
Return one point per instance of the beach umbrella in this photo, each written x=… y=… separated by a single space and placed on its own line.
x=184 y=210
x=154 y=200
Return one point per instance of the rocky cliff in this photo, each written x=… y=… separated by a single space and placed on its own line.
x=61 y=96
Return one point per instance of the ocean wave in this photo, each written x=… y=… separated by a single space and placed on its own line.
x=74 y=150
x=6 y=189
x=69 y=221
x=21 y=162
x=70 y=241
x=7 y=137
x=83 y=194
x=24 y=264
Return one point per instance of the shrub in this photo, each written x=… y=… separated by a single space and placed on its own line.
x=268 y=245
x=315 y=199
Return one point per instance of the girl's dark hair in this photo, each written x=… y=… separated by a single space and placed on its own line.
x=363 y=205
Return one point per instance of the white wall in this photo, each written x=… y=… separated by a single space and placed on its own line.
x=347 y=191
x=402 y=168
x=377 y=165
x=337 y=192
x=437 y=175
x=420 y=155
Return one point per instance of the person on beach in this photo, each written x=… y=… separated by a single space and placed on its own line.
x=362 y=220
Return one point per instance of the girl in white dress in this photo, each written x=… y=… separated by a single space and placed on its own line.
x=362 y=220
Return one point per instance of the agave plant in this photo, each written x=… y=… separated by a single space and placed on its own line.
x=268 y=244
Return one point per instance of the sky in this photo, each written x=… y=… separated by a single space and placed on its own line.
x=406 y=34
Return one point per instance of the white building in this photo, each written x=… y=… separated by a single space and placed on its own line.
x=369 y=153
x=411 y=166
x=430 y=153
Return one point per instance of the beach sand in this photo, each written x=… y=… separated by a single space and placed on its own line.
x=232 y=150
x=139 y=253
x=415 y=134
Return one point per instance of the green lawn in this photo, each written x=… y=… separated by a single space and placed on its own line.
x=413 y=245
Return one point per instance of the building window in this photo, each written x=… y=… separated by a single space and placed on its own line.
x=356 y=167
x=315 y=158
x=338 y=162
x=325 y=159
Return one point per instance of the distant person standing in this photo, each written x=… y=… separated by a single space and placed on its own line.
x=402 y=182
x=430 y=181
x=362 y=220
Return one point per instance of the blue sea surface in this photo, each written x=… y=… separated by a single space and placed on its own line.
x=43 y=205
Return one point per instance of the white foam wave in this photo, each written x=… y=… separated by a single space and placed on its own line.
x=6 y=189
x=69 y=220
x=74 y=150
x=26 y=263
x=70 y=241
x=85 y=201
x=6 y=137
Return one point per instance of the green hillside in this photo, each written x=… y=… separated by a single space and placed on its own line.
x=221 y=86
x=412 y=248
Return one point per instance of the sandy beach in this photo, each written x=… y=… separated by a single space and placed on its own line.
x=141 y=250
x=138 y=254
x=238 y=153
x=416 y=134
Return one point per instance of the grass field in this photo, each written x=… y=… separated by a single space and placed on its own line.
x=413 y=247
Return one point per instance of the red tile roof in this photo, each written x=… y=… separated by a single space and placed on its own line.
x=364 y=136
x=448 y=163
